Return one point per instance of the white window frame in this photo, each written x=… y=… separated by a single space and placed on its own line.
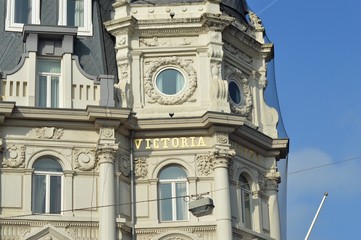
x=48 y=191
x=87 y=30
x=11 y=25
x=48 y=85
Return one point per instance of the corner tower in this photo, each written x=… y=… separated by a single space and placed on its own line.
x=194 y=74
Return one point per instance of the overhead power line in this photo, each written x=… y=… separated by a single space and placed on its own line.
x=325 y=165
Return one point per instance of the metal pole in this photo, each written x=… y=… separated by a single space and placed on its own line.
x=132 y=190
x=315 y=218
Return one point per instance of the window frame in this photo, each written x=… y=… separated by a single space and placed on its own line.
x=240 y=89
x=242 y=211
x=87 y=29
x=174 y=197
x=48 y=76
x=11 y=25
x=48 y=175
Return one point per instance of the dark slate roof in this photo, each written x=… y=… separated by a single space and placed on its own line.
x=96 y=53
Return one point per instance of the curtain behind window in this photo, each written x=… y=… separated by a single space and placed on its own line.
x=75 y=13
x=22 y=11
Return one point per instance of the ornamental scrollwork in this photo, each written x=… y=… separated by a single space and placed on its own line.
x=245 y=108
x=204 y=165
x=47 y=133
x=14 y=156
x=222 y=138
x=85 y=159
x=141 y=167
x=255 y=21
x=185 y=95
x=123 y=164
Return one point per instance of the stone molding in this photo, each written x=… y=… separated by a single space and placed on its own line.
x=245 y=108
x=85 y=159
x=14 y=156
x=191 y=81
x=238 y=53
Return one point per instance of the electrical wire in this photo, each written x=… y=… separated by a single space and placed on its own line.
x=324 y=165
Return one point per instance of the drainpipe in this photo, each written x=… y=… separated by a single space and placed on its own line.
x=132 y=189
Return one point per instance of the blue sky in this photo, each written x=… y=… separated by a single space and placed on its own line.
x=318 y=50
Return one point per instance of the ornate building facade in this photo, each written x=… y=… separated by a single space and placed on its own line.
x=117 y=118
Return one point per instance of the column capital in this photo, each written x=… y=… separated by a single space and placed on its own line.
x=221 y=157
x=106 y=153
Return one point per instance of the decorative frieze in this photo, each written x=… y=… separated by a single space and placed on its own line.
x=141 y=167
x=85 y=159
x=155 y=66
x=14 y=156
x=165 y=42
x=46 y=133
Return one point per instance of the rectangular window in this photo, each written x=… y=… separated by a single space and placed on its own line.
x=20 y=12
x=49 y=73
x=76 y=13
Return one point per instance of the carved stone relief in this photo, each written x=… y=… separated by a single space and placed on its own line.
x=14 y=156
x=46 y=133
x=255 y=21
x=123 y=164
x=204 y=165
x=165 y=42
x=222 y=138
x=85 y=159
x=185 y=95
x=246 y=106
x=141 y=167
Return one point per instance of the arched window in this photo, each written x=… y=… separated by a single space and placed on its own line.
x=173 y=186
x=47 y=182
x=246 y=201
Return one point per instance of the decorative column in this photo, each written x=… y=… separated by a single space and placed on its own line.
x=221 y=193
x=106 y=157
x=273 y=178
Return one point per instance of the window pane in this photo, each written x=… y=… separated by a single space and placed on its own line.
x=48 y=165
x=42 y=91
x=244 y=182
x=22 y=12
x=55 y=194
x=54 y=92
x=48 y=66
x=234 y=93
x=75 y=13
x=173 y=172
x=39 y=193
x=170 y=81
x=247 y=210
x=181 y=190
x=165 y=194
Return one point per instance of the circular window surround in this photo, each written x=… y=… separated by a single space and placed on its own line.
x=181 y=65
x=235 y=75
x=162 y=70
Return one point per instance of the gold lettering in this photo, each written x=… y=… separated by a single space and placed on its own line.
x=156 y=143
x=165 y=142
x=175 y=142
x=184 y=142
x=201 y=142
x=138 y=142
x=148 y=143
x=192 y=141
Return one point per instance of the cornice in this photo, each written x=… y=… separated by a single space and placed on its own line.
x=260 y=142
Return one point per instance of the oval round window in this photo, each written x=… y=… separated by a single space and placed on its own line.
x=170 y=81
x=234 y=92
